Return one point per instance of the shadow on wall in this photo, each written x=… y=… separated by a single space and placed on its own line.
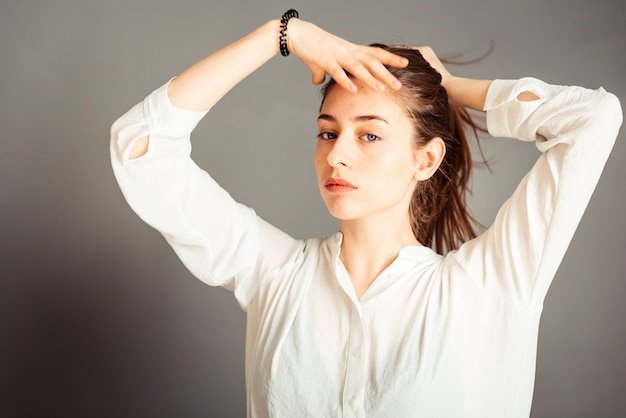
x=78 y=343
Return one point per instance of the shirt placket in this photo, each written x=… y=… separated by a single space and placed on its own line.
x=353 y=401
x=354 y=388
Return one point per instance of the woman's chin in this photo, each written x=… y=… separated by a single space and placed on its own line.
x=342 y=213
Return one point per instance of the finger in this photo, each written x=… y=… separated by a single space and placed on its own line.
x=431 y=57
x=388 y=58
x=318 y=76
x=372 y=60
x=382 y=74
x=362 y=73
x=428 y=54
x=339 y=75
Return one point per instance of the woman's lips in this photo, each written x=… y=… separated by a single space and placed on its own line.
x=334 y=185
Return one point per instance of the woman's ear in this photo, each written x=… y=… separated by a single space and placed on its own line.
x=428 y=158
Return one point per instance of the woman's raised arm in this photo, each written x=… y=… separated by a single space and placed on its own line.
x=464 y=92
x=203 y=84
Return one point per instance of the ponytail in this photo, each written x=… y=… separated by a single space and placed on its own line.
x=439 y=215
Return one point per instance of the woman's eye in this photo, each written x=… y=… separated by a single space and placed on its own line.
x=327 y=135
x=370 y=137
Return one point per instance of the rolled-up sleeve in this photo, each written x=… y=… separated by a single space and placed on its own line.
x=220 y=241
x=575 y=129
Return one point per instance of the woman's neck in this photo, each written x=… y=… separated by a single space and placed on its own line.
x=369 y=247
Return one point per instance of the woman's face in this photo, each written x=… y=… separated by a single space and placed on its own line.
x=365 y=156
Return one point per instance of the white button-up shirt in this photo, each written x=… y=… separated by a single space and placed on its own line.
x=434 y=336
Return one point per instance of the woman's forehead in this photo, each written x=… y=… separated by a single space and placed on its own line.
x=363 y=104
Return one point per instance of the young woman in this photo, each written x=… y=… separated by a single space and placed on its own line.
x=372 y=321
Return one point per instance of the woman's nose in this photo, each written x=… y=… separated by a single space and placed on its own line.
x=341 y=152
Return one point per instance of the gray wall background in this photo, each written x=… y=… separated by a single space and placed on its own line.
x=97 y=316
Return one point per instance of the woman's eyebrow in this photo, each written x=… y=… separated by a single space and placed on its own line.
x=363 y=118
x=324 y=116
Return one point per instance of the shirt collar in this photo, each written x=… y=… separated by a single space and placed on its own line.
x=410 y=259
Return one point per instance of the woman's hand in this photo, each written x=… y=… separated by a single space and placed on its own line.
x=464 y=92
x=434 y=61
x=323 y=52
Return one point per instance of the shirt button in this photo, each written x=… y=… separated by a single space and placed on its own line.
x=352 y=402
x=357 y=353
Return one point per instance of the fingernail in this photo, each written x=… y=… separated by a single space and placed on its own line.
x=380 y=86
x=397 y=84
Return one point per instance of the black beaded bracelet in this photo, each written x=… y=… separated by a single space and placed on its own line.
x=284 y=51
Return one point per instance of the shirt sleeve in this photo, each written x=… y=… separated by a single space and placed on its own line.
x=220 y=241
x=575 y=129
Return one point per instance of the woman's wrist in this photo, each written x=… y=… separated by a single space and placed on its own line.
x=295 y=27
x=467 y=92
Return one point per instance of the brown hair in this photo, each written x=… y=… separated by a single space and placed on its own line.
x=439 y=214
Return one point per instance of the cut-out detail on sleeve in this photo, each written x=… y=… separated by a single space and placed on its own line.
x=527 y=96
